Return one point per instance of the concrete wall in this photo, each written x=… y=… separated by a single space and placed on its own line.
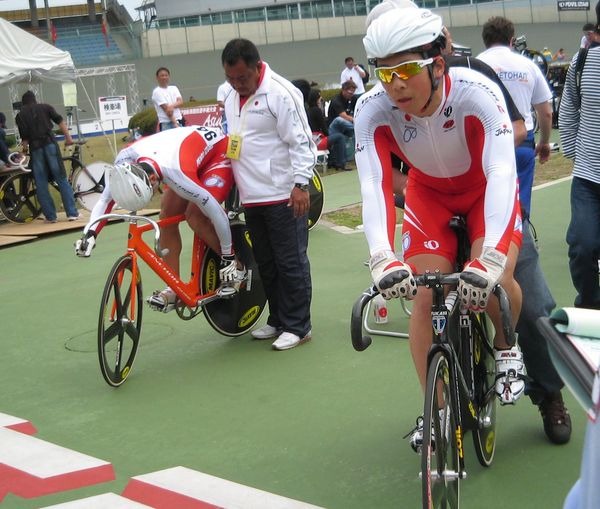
x=166 y=42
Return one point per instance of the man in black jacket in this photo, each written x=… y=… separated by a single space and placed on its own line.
x=35 y=122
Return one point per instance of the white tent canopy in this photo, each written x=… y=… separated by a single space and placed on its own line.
x=26 y=58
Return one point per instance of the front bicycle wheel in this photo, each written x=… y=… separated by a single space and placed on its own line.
x=120 y=322
x=18 y=198
x=235 y=315
x=315 y=189
x=484 y=376
x=440 y=463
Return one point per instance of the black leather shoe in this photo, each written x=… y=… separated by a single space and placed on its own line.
x=557 y=421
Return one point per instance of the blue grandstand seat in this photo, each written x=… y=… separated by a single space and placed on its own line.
x=88 y=46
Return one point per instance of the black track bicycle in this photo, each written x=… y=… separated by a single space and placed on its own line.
x=18 y=193
x=461 y=372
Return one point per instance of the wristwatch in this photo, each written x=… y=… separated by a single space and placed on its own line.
x=302 y=187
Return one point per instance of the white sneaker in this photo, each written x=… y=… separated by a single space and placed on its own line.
x=163 y=301
x=510 y=382
x=266 y=332
x=287 y=340
x=75 y=218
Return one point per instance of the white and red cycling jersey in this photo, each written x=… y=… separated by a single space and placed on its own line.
x=462 y=161
x=192 y=162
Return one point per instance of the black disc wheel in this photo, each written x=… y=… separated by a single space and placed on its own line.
x=440 y=464
x=233 y=316
x=315 y=189
x=18 y=198
x=120 y=322
x=484 y=370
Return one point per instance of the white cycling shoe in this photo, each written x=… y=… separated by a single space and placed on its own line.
x=510 y=380
x=230 y=288
x=163 y=301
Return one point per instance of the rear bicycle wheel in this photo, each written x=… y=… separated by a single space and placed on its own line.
x=484 y=376
x=18 y=198
x=440 y=464
x=235 y=315
x=120 y=322
x=88 y=183
x=315 y=189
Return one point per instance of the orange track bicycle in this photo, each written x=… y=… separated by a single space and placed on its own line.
x=120 y=320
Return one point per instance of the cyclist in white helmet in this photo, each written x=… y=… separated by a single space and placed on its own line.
x=452 y=128
x=192 y=162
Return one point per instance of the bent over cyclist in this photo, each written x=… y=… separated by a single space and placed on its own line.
x=192 y=162
x=453 y=130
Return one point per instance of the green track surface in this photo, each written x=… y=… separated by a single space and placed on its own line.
x=320 y=423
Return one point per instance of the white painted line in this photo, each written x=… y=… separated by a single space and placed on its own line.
x=104 y=501
x=552 y=183
x=182 y=487
x=17 y=424
x=30 y=467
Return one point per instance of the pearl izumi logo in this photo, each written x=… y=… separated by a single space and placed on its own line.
x=579 y=5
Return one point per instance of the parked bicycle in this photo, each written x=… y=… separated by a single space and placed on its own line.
x=459 y=392
x=120 y=322
x=538 y=58
x=18 y=195
x=520 y=46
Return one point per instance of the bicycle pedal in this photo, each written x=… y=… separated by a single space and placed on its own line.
x=157 y=304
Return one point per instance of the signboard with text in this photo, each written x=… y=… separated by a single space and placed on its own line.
x=208 y=115
x=573 y=5
x=113 y=108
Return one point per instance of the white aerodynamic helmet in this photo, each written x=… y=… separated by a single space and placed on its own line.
x=402 y=29
x=386 y=6
x=129 y=186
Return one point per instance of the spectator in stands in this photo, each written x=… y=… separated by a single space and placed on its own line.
x=3 y=144
x=547 y=54
x=167 y=100
x=355 y=73
x=304 y=87
x=340 y=115
x=35 y=123
x=586 y=39
x=336 y=142
x=559 y=56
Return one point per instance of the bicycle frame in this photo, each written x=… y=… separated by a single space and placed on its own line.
x=188 y=292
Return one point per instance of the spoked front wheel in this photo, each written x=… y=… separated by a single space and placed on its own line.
x=484 y=371
x=440 y=464
x=120 y=321
x=18 y=198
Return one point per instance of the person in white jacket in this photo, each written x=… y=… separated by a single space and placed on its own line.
x=272 y=156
